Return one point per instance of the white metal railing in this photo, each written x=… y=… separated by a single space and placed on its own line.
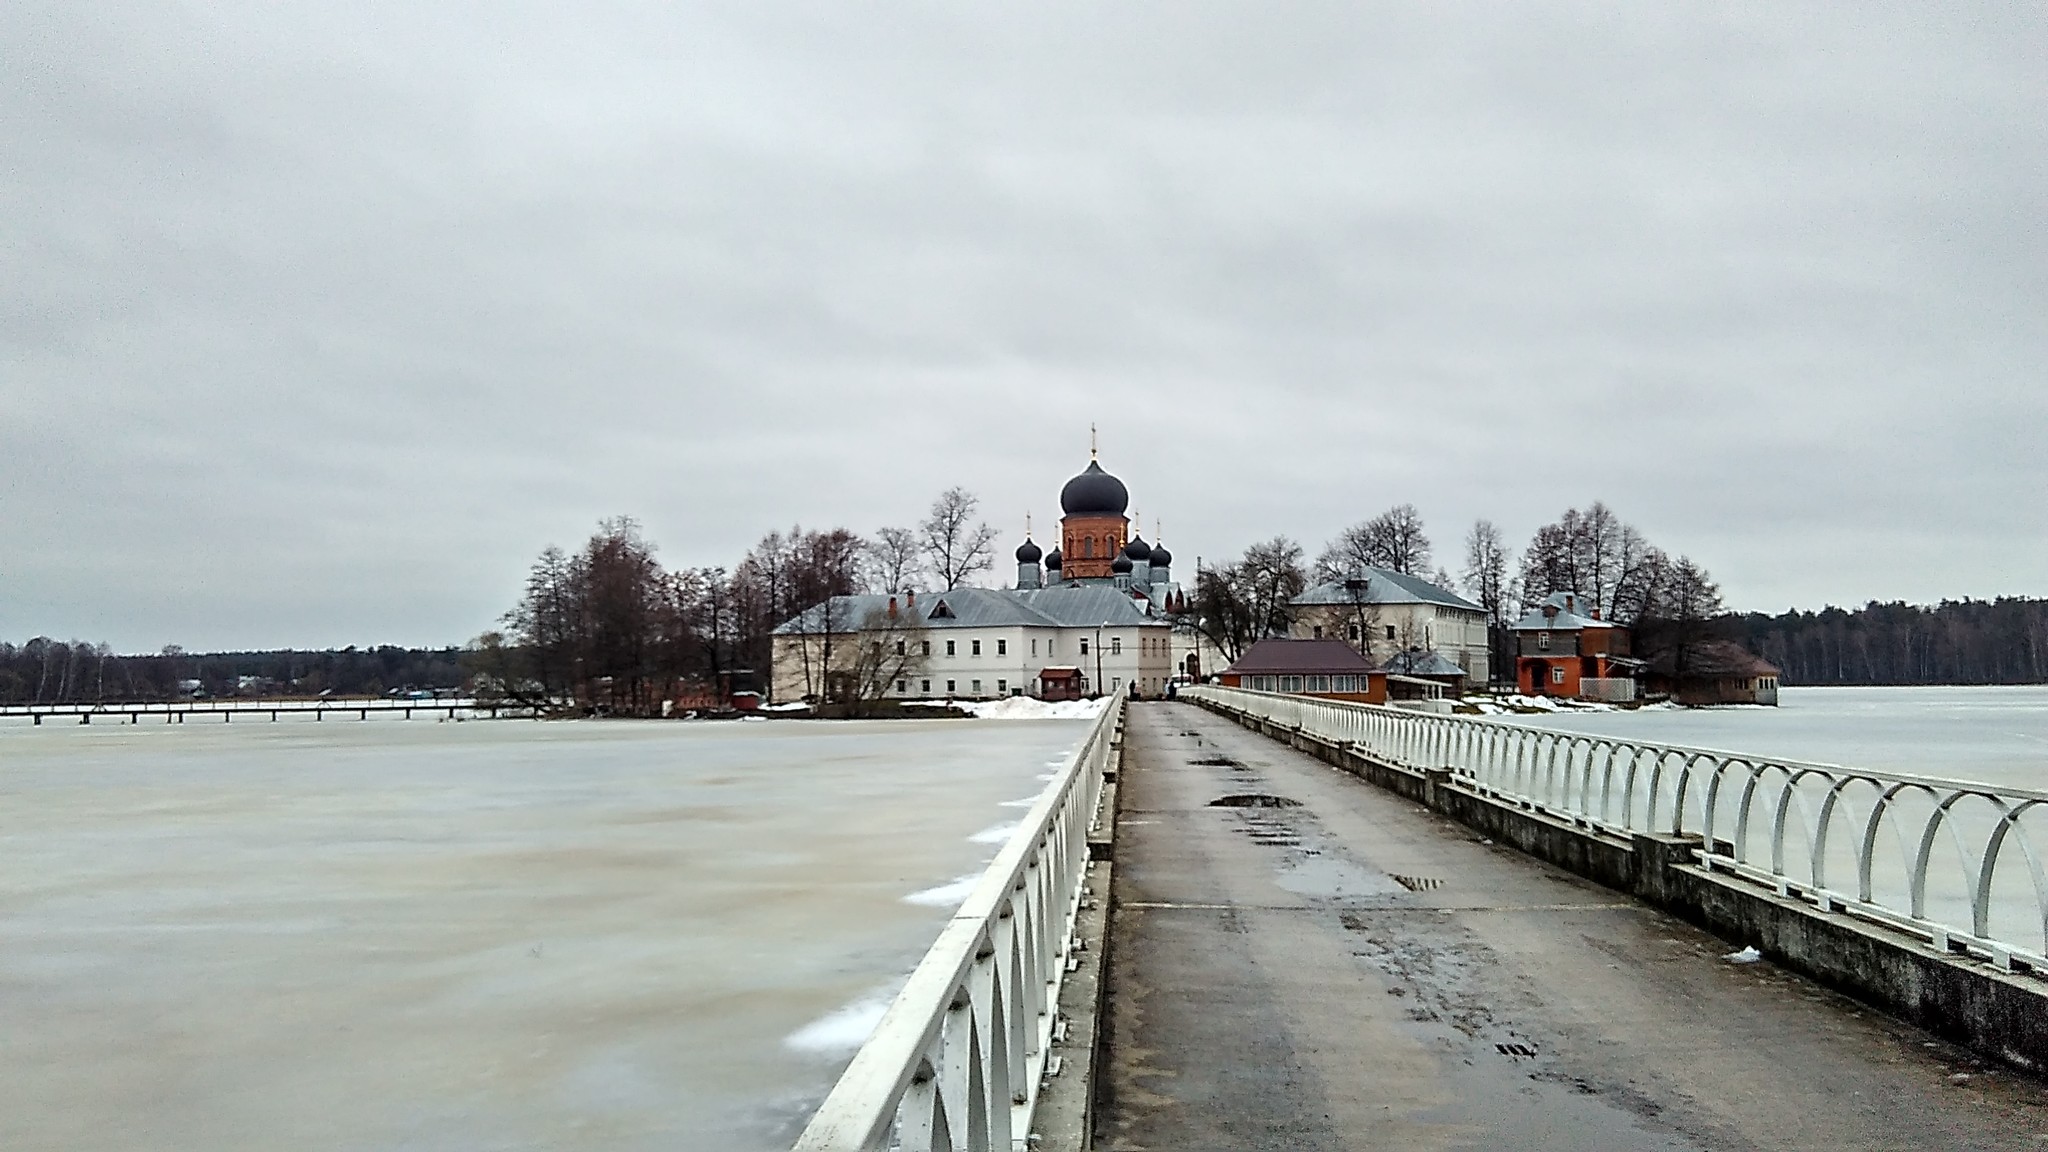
x=1955 y=862
x=956 y=1061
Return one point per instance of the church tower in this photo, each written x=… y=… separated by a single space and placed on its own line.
x=1094 y=530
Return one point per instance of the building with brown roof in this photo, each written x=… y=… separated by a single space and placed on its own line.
x=1328 y=668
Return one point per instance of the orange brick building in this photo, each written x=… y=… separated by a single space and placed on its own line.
x=1564 y=649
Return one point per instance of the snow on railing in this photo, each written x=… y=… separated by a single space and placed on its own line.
x=1954 y=862
x=956 y=1061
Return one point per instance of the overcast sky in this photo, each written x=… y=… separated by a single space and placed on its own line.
x=318 y=321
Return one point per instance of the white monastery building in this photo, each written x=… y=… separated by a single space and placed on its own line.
x=1386 y=614
x=1089 y=617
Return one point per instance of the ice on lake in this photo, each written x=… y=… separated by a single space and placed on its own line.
x=393 y=934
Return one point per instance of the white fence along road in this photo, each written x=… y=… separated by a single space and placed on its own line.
x=1953 y=862
x=957 y=1059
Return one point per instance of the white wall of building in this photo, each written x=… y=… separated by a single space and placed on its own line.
x=983 y=663
x=1459 y=634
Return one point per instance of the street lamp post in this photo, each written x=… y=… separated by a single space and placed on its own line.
x=1355 y=586
x=1098 y=656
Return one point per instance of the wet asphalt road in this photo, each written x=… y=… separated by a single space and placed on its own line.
x=1356 y=972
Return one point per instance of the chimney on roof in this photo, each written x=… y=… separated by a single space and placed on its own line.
x=1595 y=614
x=911 y=593
x=892 y=607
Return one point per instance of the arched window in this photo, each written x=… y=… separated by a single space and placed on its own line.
x=1088 y=546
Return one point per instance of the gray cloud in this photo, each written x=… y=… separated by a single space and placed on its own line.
x=321 y=321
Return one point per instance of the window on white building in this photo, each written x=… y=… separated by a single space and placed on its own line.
x=902 y=686
x=1084 y=645
x=1351 y=634
x=1002 y=647
x=899 y=647
x=1034 y=645
x=927 y=689
x=1116 y=645
x=1316 y=633
x=1002 y=687
x=927 y=646
x=952 y=686
x=977 y=647
x=977 y=687
x=1390 y=631
x=949 y=648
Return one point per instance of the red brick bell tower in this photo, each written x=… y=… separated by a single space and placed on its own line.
x=1094 y=528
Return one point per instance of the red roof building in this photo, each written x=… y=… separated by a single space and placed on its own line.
x=1327 y=668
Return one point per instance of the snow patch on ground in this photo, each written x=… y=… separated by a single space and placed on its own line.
x=996 y=833
x=947 y=895
x=1026 y=708
x=1509 y=705
x=794 y=706
x=843 y=1029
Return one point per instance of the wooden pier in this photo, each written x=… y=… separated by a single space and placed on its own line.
x=175 y=711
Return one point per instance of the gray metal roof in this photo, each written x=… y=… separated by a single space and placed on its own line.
x=1085 y=606
x=1417 y=662
x=1566 y=618
x=1056 y=607
x=1383 y=586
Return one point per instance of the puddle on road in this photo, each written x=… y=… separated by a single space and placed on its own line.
x=1253 y=800
x=1499 y=1055
x=1331 y=878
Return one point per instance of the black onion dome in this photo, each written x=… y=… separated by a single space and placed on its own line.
x=1094 y=492
x=1161 y=558
x=1121 y=565
x=1028 y=553
x=1137 y=549
x=1052 y=558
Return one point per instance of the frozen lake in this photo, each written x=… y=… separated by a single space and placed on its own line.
x=1997 y=735
x=492 y=935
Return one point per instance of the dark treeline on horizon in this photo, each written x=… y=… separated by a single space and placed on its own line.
x=2002 y=641
x=46 y=671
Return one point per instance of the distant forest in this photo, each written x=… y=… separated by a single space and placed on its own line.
x=46 y=671
x=2003 y=641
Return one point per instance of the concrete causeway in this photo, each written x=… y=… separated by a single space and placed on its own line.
x=1338 y=968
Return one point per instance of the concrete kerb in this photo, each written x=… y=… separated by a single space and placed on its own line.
x=2002 y=1016
x=1064 y=1120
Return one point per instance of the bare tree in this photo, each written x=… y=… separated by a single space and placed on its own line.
x=1486 y=580
x=1242 y=603
x=889 y=648
x=1683 y=614
x=1365 y=612
x=1393 y=540
x=955 y=544
x=895 y=555
x=1594 y=555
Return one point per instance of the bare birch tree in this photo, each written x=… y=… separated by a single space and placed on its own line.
x=895 y=555
x=1486 y=581
x=1393 y=540
x=956 y=545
